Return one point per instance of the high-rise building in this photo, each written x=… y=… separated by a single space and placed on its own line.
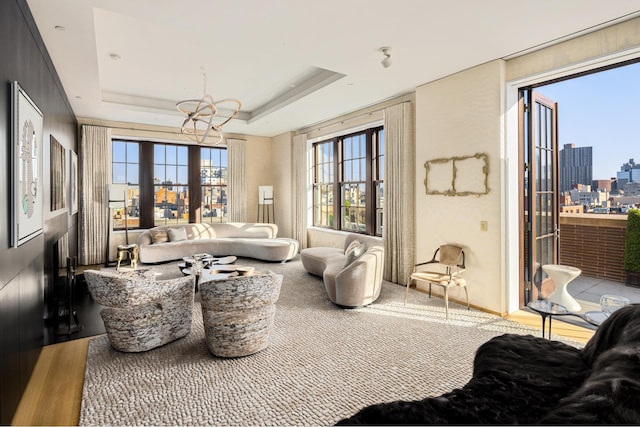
x=629 y=172
x=576 y=166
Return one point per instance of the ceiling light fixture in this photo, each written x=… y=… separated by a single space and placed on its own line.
x=386 y=61
x=202 y=119
x=115 y=56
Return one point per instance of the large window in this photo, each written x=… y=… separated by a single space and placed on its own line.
x=348 y=180
x=169 y=183
x=213 y=178
x=126 y=170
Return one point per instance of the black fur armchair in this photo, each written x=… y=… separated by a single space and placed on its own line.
x=521 y=379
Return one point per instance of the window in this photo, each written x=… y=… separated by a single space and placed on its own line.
x=358 y=192
x=170 y=184
x=213 y=179
x=126 y=170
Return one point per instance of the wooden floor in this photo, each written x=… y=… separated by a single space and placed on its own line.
x=54 y=393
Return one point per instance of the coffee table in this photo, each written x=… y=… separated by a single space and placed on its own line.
x=549 y=309
x=219 y=272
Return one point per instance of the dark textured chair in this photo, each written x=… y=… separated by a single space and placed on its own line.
x=521 y=379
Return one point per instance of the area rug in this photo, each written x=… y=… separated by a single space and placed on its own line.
x=324 y=363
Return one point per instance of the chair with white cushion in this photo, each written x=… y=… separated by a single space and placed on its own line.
x=444 y=269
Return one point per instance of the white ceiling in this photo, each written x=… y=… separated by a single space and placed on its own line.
x=264 y=51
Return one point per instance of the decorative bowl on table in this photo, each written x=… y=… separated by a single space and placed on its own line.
x=610 y=303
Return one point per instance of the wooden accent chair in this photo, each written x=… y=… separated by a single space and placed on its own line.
x=444 y=269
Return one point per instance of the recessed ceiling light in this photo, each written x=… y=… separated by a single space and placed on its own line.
x=115 y=56
x=60 y=28
x=78 y=97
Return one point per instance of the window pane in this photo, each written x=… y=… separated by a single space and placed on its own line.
x=158 y=154
x=183 y=156
x=132 y=174
x=118 y=152
x=158 y=174
x=132 y=152
x=172 y=155
x=119 y=175
x=214 y=192
x=183 y=174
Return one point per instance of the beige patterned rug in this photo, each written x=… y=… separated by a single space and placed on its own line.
x=324 y=363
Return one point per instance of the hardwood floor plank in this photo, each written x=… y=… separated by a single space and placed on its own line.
x=54 y=393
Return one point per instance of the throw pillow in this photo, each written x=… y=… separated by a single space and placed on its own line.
x=355 y=253
x=351 y=246
x=159 y=235
x=177 y=234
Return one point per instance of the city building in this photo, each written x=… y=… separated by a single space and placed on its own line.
x=629 y=172
x=575 y=165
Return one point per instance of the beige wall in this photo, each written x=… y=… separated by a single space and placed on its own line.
x=282 y=165
x=460 y=116
x=258 y=170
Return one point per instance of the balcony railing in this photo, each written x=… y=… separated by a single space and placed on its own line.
x=594 y=243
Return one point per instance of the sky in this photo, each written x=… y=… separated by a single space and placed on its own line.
x=601 y=110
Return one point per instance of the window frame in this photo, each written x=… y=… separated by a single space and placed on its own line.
x=147 y=184
x=374 y=138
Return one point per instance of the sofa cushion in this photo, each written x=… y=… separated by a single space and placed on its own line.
x=177 y=234
x=159 y=235
x=354 y=253
x=351 y=246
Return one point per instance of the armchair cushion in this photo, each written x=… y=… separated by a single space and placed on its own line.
x=354 y=253
x=159 y=235
x=177 y=234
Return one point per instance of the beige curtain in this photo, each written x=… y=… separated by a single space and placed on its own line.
x=300 y=189
x=399 y=193
x=237 y=191
x=94 y=174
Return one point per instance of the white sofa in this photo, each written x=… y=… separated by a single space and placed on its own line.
x=252 y=240
x=354 y=284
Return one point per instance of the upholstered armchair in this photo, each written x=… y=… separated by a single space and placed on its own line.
x=238 y=313
x=352 y=275
x=141 y=312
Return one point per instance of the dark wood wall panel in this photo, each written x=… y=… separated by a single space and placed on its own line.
x=27 y=272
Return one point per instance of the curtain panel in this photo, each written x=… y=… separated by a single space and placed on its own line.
x=300 y=186
x=94 y=174
x=399 y=192
x=237 y=194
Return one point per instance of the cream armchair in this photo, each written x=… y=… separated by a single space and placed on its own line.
x=141 y=312
x=352 y=276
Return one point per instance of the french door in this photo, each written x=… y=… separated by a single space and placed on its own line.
x=539 y=235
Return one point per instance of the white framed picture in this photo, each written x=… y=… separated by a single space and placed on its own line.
x=27 y=212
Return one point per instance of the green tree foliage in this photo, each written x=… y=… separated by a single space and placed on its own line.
x=632 y=241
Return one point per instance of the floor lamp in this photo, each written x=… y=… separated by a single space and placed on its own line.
x=116 y=199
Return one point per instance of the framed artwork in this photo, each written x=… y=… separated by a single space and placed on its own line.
x=73 y=182
x=458 y=176
x=26 y=145
x=58 y=175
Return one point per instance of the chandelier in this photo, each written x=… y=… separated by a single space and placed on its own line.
x=202 y=119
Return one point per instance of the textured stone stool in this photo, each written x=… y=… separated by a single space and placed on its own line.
x=238 y=313
x=128 y=251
